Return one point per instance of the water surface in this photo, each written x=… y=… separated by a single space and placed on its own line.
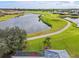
x=75 y=20
x=30 y=23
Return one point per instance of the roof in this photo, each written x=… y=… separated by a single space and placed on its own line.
x=26 y=54
x=56 y=54
x=46 y=54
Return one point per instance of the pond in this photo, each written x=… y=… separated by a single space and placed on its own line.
x=29 y=22
x=74 y=20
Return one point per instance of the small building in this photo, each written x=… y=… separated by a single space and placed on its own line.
x=74 y=14
x=45 y=54
x=1 y=14
x=56 y=54
x=78 y=25
x=26 y=54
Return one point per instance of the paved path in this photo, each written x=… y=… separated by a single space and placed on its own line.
x=50 y=34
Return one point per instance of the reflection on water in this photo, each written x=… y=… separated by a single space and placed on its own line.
x=29 y=22
x=75 y=20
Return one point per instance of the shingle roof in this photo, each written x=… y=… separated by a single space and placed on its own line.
x=56 y=54
x=46 y=53
x=21 y=53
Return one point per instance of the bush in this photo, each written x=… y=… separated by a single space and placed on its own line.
x=11 y=39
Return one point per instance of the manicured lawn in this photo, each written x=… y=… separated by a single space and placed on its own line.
x=53 y=19
x=68 y=40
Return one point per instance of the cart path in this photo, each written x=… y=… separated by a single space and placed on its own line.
x=50 y=34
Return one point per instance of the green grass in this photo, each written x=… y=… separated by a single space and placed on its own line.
x=53 y=19
x=35 y=12
x=68 y=40
x=7 y=17
x=69 y=16
x=74 y=16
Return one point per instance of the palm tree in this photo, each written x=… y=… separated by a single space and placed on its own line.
x=47 y=43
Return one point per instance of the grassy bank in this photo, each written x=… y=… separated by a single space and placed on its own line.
x=52 y=20
x=7 y=17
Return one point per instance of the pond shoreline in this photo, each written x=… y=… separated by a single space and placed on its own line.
x=23 y=21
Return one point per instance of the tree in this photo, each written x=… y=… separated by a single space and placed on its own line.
x=15 y=38
x=3 y=47
x=47 y=43
x=11 y=40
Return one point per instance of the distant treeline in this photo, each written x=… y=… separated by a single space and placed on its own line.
x=29 y=9
x=20 y=9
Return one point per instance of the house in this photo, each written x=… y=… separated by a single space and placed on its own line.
x=74 y=14
x=56 y=54
x=45 y=54
x=1 y=14
x=26 y=54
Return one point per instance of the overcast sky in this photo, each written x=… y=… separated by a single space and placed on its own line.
x=39 y=4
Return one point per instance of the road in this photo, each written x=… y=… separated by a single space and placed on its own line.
x=50 y=34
